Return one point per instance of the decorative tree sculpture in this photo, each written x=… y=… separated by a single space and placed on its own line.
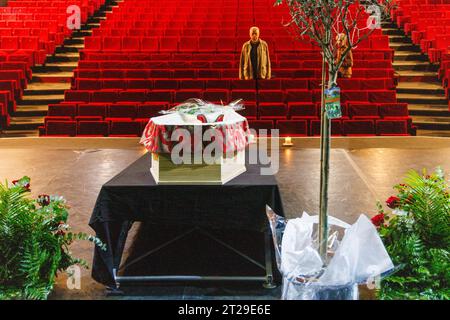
x=322 y=21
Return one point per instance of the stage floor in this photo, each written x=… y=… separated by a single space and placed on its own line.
x=362 y=172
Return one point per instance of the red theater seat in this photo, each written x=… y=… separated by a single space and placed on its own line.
x=92 y=128
x=336 y=127
x=363 y=111
x=298 y=96
x=67 y=110
x=359 y=127
x=150 y=109
x=122 y=110
x=77 y=96
x=105 y=96
x=92 y=109
x=292 y=127
x=183 y=95
x=216 y=95
x=272 y=111
x=261 y=125
x=245 y=95
x=137 y=95
x=302 y=111
x=271 y=96
x=61 y=128
x=124 y=128
x=391 y=127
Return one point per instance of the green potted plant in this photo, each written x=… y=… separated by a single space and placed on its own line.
x=34 y=241
x=417 y=237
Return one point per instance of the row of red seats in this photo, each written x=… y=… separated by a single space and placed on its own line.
x=172 y=96
x=218 y=73
x=264 y=111
x=134 y=128
x=199 y=44
x=227 y=84
x=216 y=63
x=105 y=57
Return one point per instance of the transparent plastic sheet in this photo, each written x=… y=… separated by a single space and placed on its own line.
x=358 y=258
x=192 y=108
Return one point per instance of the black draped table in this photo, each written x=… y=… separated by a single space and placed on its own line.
x=133 y=195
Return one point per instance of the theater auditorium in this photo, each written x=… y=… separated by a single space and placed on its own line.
x=81 y=79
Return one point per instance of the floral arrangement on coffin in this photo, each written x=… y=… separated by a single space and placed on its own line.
x=417 y=237
x=34 y=241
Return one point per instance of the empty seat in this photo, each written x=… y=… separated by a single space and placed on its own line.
x=92 y=109
x=245 y=95
x=150 y=44
x=336 y=127
x=131 y=44
x=76 y=95
x=249 y=111
x=67 y=110
x=122 y=110
x=105 y=96
x=298 y=96
x=168 y=44
x=383 y=96
x=363 y=111
x=92 y=128
x=272 y=110
x=259 y=125
x=243 y=84
x=394 y=110
x=302 y=110
x=292 y=127
x=216 y=95
x=271 y=96
x=150 y=109
x=358 y=127
x=272 y=84
x=124 y=128
x=112 y=44
x=391 y=127
x=137 y=95
x=183 y=95
x=160 y=96
x=61 y=128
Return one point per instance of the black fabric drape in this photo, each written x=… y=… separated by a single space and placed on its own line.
x=133 y=195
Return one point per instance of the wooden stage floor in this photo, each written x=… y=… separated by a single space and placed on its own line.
x=363 y=170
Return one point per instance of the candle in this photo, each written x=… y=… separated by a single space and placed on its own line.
x=287 y=142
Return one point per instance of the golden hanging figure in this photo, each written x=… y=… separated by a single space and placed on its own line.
x=345 y=71
x=255 y=60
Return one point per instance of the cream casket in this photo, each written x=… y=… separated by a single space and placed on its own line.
x=197 y=146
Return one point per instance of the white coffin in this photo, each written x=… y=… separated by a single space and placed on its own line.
x=164 y=171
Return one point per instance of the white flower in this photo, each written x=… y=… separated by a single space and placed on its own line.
x=399 y=212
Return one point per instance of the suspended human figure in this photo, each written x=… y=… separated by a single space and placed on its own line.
x=255 y=60
x=345 y=71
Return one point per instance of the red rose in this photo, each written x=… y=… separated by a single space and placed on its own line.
x=43 y=199
x=25 y=186
x=60 y=233
x=378 y=220
x=393 y=202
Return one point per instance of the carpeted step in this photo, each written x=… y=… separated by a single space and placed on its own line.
x=26 y=123
x=409 y=56
x=41 y=99
x=31 y=111
x=417 y=76
x=415 y=66
x=425 y=88
x=412 y=98
x=431 y=123
x=433 y=110
x=58 y=77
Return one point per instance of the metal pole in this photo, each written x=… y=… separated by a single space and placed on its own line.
x=324 y=170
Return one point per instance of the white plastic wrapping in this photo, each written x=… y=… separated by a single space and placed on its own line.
x=358 y=258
